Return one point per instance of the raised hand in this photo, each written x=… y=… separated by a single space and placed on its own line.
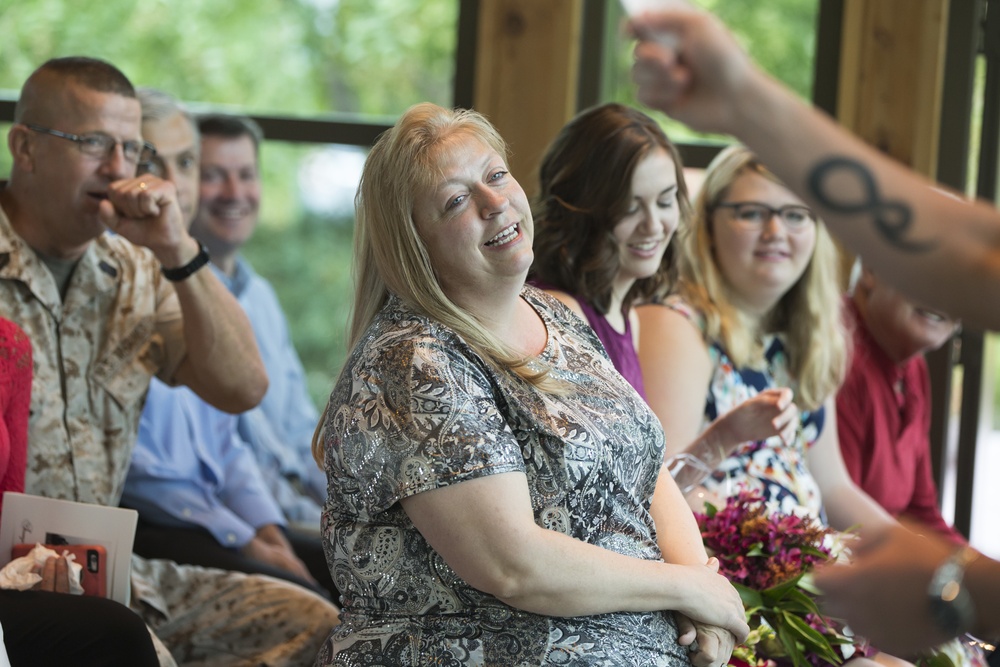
x=145 y=211
x=689 y=65
x=769 y=413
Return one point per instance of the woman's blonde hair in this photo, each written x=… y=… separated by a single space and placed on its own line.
x=389 y=255
x=808 y=315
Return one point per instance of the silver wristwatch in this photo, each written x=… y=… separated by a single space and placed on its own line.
x=951 y=605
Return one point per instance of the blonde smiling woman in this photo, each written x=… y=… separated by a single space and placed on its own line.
x=491 y=474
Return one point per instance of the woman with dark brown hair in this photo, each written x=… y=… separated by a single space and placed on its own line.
x=611 y=196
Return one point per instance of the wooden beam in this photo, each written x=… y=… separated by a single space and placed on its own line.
x=892 y=58
x=527 y=66
x=891 y=76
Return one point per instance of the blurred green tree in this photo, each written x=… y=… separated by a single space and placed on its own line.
x=780 y=35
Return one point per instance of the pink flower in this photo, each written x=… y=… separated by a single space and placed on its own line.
x=759 y=551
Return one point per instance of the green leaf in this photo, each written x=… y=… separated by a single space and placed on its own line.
x=774 y=594
x=802 y=630
x=813 y=551
x=797 y=601
x=934 y=659
x=792 y=649
x=812 y=638
x=752 y=599
x=806 y=584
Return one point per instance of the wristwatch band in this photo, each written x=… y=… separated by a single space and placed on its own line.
x=181 y=272
x=951 y=605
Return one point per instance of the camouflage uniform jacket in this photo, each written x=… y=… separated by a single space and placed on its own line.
x=94 y=355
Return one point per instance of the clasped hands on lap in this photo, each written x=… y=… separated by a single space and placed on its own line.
x=271 y=546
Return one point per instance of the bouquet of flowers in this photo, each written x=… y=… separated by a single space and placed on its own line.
x=768 y=558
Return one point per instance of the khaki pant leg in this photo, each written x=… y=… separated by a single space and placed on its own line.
x=230 y=619
x=162 y=652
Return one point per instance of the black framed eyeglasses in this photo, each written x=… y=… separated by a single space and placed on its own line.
x=102 y=146
x=755 y=214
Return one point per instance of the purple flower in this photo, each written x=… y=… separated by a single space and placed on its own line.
x=760 y=550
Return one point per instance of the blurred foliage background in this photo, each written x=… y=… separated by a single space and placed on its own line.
x=780 y=35
x=318 y=58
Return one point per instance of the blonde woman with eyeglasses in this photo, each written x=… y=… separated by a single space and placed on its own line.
x=755 y=318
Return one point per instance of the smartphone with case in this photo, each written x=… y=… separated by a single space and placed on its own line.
x=92 y=558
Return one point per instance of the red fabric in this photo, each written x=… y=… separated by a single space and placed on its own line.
x=15 y=400
x=884 y=433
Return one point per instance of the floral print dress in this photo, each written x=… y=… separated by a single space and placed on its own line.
x=417 y=409
x=775 y=470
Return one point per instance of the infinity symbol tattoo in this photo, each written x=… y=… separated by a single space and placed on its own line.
x=893 y=219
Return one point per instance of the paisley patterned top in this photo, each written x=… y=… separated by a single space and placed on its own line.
x=416 y=409
x=778 y=471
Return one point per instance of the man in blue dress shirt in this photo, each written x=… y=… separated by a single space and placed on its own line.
x=280 y=429
x=202 y=495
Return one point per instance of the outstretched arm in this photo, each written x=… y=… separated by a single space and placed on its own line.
x=846 y=504
x=937 y=249
x=883 y=593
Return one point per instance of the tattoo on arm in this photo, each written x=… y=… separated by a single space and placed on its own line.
x=892 y=219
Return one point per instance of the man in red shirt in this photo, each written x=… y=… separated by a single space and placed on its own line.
x=883 y=407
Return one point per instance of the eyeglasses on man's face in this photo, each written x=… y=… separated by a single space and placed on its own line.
x=754 y=214
x=101 y=146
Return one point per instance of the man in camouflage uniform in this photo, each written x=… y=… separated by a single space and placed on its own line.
x=105 y=312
